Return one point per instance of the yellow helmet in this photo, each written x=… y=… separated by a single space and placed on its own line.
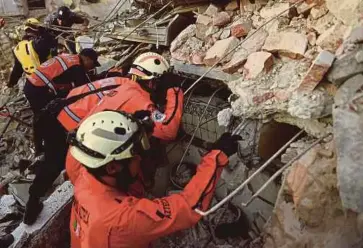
x=31 y=23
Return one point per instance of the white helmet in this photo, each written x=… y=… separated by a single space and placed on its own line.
x=107 y=136
x=149 y=65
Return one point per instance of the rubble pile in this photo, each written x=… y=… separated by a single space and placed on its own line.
x=281 y=66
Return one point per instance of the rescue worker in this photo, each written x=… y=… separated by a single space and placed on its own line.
x=32 y=29
x=104 y=215
x=64 y=19
x=55 y=149
x=148 y=72
x=55 y=77
x=36 y=47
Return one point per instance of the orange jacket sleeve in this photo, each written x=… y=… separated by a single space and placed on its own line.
x=167 y=123
x=160 y=217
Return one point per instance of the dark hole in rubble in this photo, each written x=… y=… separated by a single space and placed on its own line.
x=252 y=1
x=273 y=136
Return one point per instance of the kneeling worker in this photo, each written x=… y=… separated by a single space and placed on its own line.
x=104 y=215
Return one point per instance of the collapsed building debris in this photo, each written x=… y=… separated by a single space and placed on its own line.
x=295 y=63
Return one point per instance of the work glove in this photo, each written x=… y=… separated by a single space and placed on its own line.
x=169 y=80
x=145 y=117
x=227 y=143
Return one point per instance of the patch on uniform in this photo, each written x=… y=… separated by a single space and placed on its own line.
x=157 y=116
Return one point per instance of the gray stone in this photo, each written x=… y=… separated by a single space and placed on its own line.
x=348 y=89
x=359 y=57
x=348 y=133
x=20 y=192
x=344 y=68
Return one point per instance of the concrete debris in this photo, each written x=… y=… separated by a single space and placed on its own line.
x=359 y=57
x=349 y=12
x=233 y=5
x=317 y=71
x=332 y=38
x=219 y=50
x=292 y=45
x=311 y=38
x=258 y=62
x=344 y=68
x=318 y=12
x=212 y=10
x=183 y=37
x=271 y=11
x=253 y=44
x=308 y=207
x=347 y=116
x=221 y=19
x=241 y=29
x=224 y=117
x=322 y=24
x=20 y=192
x=204 y=19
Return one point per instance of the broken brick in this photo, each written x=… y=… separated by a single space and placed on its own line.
x=290 y=44
x=241 y=29
x=317 y=71
x=219 y=50
x=221 y=19
x=258 y=62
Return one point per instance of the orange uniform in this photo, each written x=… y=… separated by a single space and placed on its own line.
x=103 y=217
x=54 y=67
x=72 y=114
x=129 y=97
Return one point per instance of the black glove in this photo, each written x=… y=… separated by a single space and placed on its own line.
x=169 y=80
x=145 y=117
x=227 y=144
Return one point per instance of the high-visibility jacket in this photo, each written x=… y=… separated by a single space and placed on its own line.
x=72 y=114
x=43 y=76
x=27 y=56
x=103 y=217
x=130 y=97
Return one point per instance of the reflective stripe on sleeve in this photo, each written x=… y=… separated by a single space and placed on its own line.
x=72 y=115
x=62 y=63
x=92 y=87
x=45 y=80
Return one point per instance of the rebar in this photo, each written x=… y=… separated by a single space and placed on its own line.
x=239 y=188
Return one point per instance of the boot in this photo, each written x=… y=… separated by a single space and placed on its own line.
x=33 y=208
x=6 y=240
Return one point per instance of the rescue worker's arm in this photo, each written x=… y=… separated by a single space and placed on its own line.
x=167 y=123
x=150 y=220
x=16 y=73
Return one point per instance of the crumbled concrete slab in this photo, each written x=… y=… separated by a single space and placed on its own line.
x=257 y=63
x=347 y=90
x=183 y=37
x=220 y=49
x=289 y=44
x=54 y=219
